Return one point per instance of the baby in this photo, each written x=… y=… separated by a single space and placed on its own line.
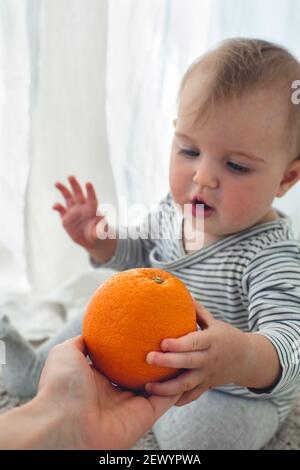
x=236 y=147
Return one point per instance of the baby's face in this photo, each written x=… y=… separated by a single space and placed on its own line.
x=235 y=160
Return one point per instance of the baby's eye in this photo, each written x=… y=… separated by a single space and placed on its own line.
x=189 y=153
x=238 y=168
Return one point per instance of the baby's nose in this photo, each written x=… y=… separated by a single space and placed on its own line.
x=206 y=174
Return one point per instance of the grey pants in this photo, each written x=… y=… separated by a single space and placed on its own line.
x=218 y=421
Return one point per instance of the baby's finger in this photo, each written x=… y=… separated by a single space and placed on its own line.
x=204 y=318
x=66 y=194
x=59 y=208
x=183 y=383
x=78 y=194
x=183 y=360
x=91 y=194
x=195 y=341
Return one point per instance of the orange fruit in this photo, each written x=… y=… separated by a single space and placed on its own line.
x=128 y=316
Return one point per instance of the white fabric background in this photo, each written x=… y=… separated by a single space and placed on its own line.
x=89 y=88
x=14 y=143
x=68 y=132
x=54 y=124
x=150 y=45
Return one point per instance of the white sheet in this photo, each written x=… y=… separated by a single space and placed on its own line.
x=38 y=317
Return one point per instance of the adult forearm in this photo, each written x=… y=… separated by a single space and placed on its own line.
x=34 y=426
x=262 y=368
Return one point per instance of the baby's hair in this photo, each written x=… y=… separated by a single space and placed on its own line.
x=238 y=65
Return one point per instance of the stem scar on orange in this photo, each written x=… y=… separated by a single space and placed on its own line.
x=128 y=316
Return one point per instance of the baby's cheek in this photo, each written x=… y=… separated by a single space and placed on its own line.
x=180 y=190
x=237 y=201
x=242 y=210
x=238 y=206
x=178 y=193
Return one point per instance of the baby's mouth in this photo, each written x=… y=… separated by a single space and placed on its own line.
x=207 y=209
x=203 y=204
x=199 y=200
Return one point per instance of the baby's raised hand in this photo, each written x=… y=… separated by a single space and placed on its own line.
x=78 y=216
x=212 y=356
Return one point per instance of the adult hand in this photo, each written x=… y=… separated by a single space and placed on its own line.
x=95 y=414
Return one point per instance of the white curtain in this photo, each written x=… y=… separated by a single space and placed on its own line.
x=14 y=143
x=68 y=131
x=53 y=72
x=150 y=44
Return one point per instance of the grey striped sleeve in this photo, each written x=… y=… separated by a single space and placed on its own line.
x=135 y=243
x=272 y=283
x=130 y=253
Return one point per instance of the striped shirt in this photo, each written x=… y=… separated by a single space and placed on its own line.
x=250 y=279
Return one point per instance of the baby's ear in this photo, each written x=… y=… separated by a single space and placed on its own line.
x=291 y=177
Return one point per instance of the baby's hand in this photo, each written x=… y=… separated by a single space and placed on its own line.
x=214 y=356
x=79 y=216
